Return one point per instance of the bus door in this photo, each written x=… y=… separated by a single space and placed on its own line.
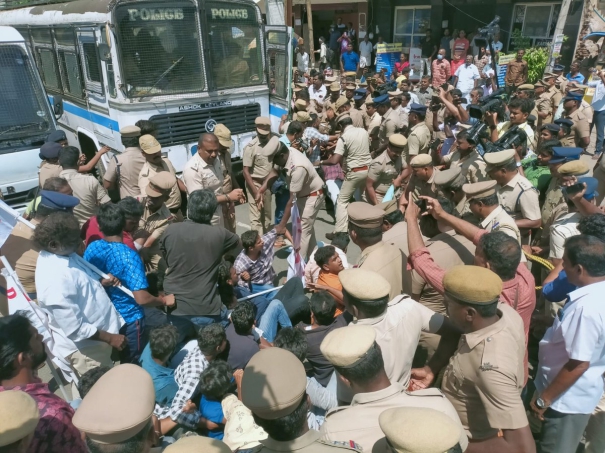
x=279 y=70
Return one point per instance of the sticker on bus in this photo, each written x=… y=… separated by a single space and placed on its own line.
x=207 y=105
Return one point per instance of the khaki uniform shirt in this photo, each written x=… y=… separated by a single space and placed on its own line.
x=388 y=125
x=544 y=105
x=48 y=171
x=587 y=110
x=310 y=442
x=579 y=130
x=149 y=171
x=359 y=421
x=126 y=171
x=419 y=188
x=383 y=170
x=197 y=174
x=374 y=123
x=499 y=220
x=228 y=177
x=301 y=176
x=519 y=198
x=88 y=190
x=472 y=166
x=259 y=166
x=357 y=117
x=447 y=250
x=485 y=377
x=386 y=260
x=555 y=98
x=155 y=224
x=418 y=140
x=403 y=117
x=397 y=333
x=398 y=236
x=354 y=147
x=554 y=204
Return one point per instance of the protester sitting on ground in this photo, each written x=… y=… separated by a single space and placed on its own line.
x=340 y=243
x=243 y=339
x=231 y=291
x=18 y=427
x=254 y=264
x=211 y=342
x=323 y=321
x=112 y=256
x=22 y=353
x=330 y=266
x=154 y=360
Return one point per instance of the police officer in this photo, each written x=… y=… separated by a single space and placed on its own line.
x=422 y=182
x=124 y=168
x=343 y=105
x=373 y=121
x=353 y=152
x=419 y=137
x=386 y=169
x=486 y=374
x=156 y=163
x=357 y=358
x=484 y=204
x=306 y=190
x=450 y=183
x=468 y=159
x=17 y=427
x=229 y=181
x=334 y=95
x=553 y=94
x=203 y=171
x=526 y=91
x=388 y=124
x=50 y=167
x=193 y=444
x=581 y=125
x=274 y=389
x=516 y=194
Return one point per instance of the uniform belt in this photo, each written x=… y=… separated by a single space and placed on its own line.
x=258 y=180
x=317 y=193
x=365 y=167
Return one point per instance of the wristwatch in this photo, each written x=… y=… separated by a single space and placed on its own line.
x=541 y=404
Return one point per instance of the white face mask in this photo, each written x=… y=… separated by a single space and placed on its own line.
x=439 y=57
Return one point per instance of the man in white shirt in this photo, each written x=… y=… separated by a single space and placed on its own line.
x=302 y=61
x=467 y=77
x=74 y=295
x=598 y=105
x=318 y=91
x=365 y=52
x=569 y=381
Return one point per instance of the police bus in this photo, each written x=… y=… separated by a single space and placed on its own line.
x=186 y=65
x=26 y=119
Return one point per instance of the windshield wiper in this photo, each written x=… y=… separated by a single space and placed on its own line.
x=19 y=126
x=164 y=74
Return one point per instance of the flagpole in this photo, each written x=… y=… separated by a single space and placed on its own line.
x=53 y=371
x=260 y=294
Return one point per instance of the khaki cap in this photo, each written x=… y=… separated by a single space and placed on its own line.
x=335 y=86
x=472 y=284
x=197 y=444
x=297 y=89
x=118 y=406
x=525 y=86
x=479 y=189
x=355 y=282
x=350 y=74
x=329 y=80
x=400 y=79
x=149 y=144
x=446 y=177
x=274 y=383
x=419 y=430
x=398 y=140
x=540 y=83
x=573 y=168
x=578 y=88
x=549 y=75
x=160 y=184
x=422 y=160
x=19 y=416
x=301 y=104
x=498 y=159
x=301 y=85
x=263 y=125
x=342 y=116
x=363 y=84
x=350 y=86
x=397 y=92
x=223 y=134
x=302 y=116
x=347 y=346
x=340 y=102
x=130 y=131
x=271 y=148
x=364 y=215
x=388 y=206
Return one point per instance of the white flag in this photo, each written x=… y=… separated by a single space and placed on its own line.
x=296 y=263
x=8 y=220
x=59 y=347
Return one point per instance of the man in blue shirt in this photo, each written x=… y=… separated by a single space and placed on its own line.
x=574 y=74
x=112 y=256
x=349 y=61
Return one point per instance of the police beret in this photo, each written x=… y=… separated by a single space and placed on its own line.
x=58 y=201
x=558 y=68
x=591 y=187
x=472 y=284
x=382 y=99
x=56 y=136
x=564 y=122
x=498 y=159
x=564 y=154
x=274 y=383
x=263 y=124
x=358 y=97
x=130 y=131
x=554 y=128
x=223 y=134
x=422 y=160
x=365 y=215
x=347 y=346
x=197 y=444
x=361 y=91
x=50 y=150
x=398 y=140
x=418 y=108
x=574 y=97
x=160 y=184
x=149 y=144
x=118 y=406
x=419 y=430
x=19 y=416
x=335 y=86
x=446 y=177
x=525 y=86
x=531 y=118
x=342 y=100
x=573 y=168
x=355 y=282
x=370 y=100
x=479 y=189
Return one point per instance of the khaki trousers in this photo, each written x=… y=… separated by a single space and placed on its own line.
x=88 y=357
x=353 y=180
x=260 y=219
x=308 y=207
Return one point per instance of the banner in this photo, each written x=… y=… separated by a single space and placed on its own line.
x=503 y=62
x=387 y=54
x=296 y=263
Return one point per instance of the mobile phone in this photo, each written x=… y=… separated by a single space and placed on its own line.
x=574 y=189
x=421 y=204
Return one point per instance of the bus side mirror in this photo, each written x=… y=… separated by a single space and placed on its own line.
x=58 y=105
x=104 y=52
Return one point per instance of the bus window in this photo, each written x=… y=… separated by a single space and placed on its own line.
x=234 y=38
x=159 y=48
x=47 y=63
x=111 y=80
x=68 y=60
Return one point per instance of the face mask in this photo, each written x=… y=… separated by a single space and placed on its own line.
x=439 y=57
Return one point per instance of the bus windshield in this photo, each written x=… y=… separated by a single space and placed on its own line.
x=160 y=48
x=24 y=110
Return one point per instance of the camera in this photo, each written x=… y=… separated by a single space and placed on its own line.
x=435 y=104
x=492 y=103
x=574 y=189
x=384 y=88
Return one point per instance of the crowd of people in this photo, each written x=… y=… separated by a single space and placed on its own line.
x=469 y=322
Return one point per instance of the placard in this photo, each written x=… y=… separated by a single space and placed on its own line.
x=503 y=62
x=387 y=54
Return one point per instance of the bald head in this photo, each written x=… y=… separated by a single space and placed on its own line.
x=208 y=147
x=207 y=137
